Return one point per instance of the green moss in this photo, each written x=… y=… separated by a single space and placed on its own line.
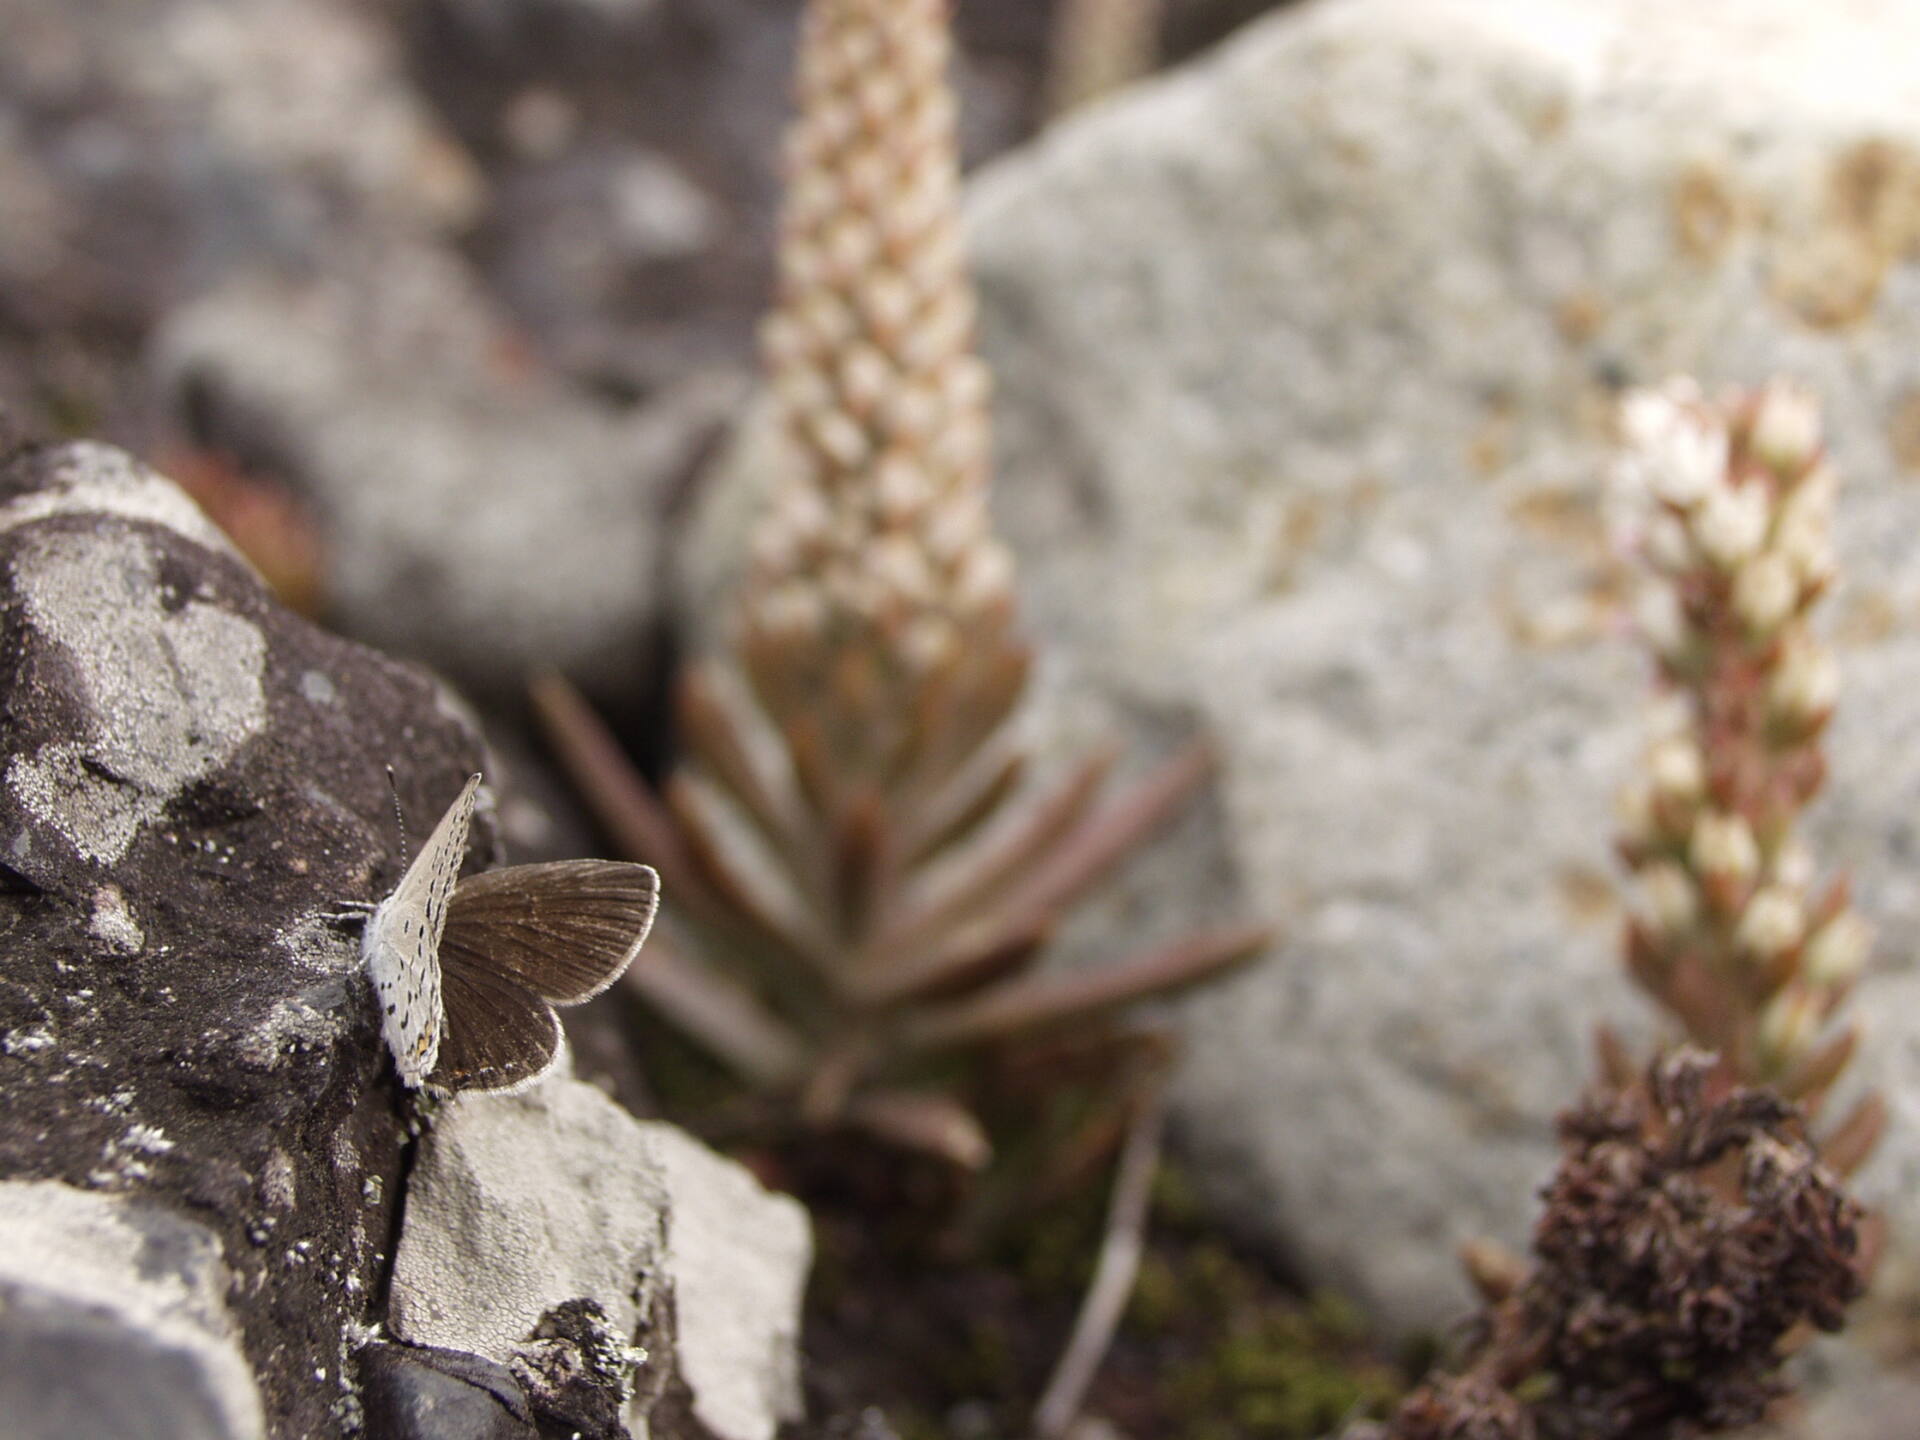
x=1279 y=1372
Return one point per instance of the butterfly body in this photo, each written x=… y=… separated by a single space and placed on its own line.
x=467 y=972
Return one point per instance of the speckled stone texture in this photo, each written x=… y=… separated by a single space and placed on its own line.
x=191 y=777
x=1307 y=359
x=521 y=1206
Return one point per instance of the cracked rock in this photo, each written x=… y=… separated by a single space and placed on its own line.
x=600 y=1256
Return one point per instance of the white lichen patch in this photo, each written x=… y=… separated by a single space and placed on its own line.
x=146 y=1139
x=318 y=687
x=278 y=1186
x=123 y=1159
x=94 y=479
x=27 y=1041
x=113 y=924
x=320 y=945
x=292 y=1027
x=173 y=695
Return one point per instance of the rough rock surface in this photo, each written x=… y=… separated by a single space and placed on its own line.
x=127 y=1305
x=526 y=1211
x=1307 y=357
x=192 y=775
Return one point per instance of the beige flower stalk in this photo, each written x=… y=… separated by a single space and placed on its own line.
x=1732 y=505
x=878 y=597
x=1098 y=46
x=867 y=884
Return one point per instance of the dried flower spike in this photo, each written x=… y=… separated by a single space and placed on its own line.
x=1688 y=1232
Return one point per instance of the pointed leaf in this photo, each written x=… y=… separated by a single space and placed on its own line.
x=740 y=898
x=992 y=871
x=1106 y=839
x=928 y=1121
x=1495 y=1271
x=1616 y=1065
x=1053 y=999
x=1807 y=1082
x=812 y=767
x=859 y=865
x=1846 y=1148
x=984 y=698
x=718 y=1014
x=969 y=963
x=641 y=826
x=714 y=734
x=960 y=809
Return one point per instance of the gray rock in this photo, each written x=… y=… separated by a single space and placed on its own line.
x=523 y=1209
x=1306 y=358
x=739 y=1259
x=113 y=1321
x=477 y=515
x=192 y=778
x=145 y=147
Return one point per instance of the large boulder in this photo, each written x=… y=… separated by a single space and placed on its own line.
x=1307 y=357
x=203 y=1146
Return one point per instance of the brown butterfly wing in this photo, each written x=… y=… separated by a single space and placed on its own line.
x=498 y=1035
x=565 y=930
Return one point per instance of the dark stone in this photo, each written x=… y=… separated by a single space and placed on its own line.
x=192 y=777
x=414 y=1392
x=578 y=1370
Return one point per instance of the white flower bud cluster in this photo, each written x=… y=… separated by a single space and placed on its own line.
x=1732 y=506
x=1730 y=499
x=878 y=542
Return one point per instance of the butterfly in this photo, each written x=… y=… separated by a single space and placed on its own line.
x=467 y=972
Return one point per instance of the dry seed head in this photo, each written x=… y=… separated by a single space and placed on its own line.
x=1678 y=770
x=1793 y=863
x=1805 y=684
x=1676 y=449
x=1633 y=810
x=1668 y=545
x=1662 y=622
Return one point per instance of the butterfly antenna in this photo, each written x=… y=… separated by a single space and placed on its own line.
x=400 y=819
